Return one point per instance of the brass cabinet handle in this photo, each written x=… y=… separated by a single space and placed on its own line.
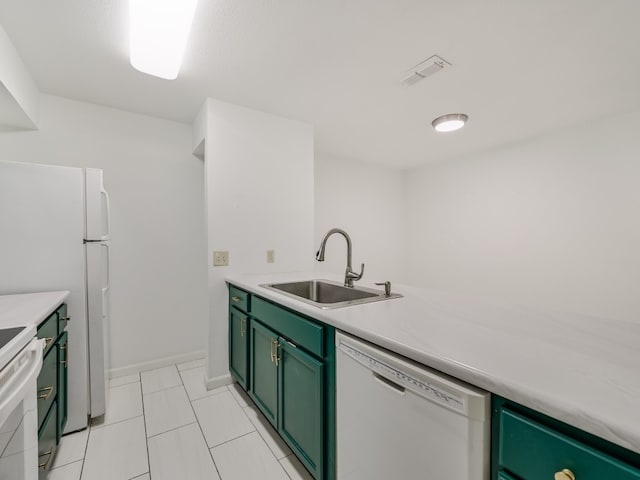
x=272 y=352
x=66 y=319
x=64 y=362
x=564 y=474
x=276 y=357
x=63 y=346
x=44 y=465
x=45 y=393
x=235 y=299
x=243 y=326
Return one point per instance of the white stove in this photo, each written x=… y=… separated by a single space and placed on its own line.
x=20 y=363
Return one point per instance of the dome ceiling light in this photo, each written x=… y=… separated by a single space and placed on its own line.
x=450 y=122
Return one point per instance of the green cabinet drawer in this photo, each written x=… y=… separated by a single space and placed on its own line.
x=531 y=451
x=239 y=299
x=48 y=330
x=63 y=317
x=47 y=383
x=305 y=333
x=47 y=441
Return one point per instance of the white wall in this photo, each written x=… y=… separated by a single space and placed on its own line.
x=553 y=221
x=259 y=174
x=157 y=194
x=368 y=202
x=19 y=95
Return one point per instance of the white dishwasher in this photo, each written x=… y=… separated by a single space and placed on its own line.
x=398 y=419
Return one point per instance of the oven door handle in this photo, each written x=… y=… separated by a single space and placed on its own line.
x=28 y=367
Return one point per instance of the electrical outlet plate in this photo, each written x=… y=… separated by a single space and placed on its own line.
x=271 y=256
x=220 y=258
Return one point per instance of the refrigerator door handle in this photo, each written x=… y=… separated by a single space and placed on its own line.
x=108 y=250
x=103 y=192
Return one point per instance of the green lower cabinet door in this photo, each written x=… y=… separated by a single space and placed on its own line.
x=302 y=406
x=238 y=346
x=62 y=383
x=264 y=371
x=47 y=441
x=47 y=382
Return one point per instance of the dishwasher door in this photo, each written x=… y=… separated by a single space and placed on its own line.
x=398 y=419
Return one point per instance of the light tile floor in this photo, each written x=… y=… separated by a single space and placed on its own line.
x=164 y=424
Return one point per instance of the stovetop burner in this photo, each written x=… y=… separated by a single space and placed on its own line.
x=7 y=334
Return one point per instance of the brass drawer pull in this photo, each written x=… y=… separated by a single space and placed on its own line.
x=276 y=358
x=274 y=351
x=235 y=299
x=45 y=393
x=243 y=326
x=44 y=465
x=565 y=474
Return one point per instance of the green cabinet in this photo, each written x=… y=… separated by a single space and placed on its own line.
x=47 y=382
x=264 y=370
x=238 y=346
x=527 y=445
x=301 y=406
x=52 y=385
x=290 y=375
x=47 y=441
x=239 y=308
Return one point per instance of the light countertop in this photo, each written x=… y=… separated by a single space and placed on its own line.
x=25 y=310
x=28 y=308
x=582 y=370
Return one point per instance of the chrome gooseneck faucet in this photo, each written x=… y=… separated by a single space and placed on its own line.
x=349 y=275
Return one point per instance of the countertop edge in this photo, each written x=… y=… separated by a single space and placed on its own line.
x=26 y=309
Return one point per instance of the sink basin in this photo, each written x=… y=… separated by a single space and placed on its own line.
x=326 y=294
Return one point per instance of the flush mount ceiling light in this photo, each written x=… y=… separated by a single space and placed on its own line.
x=158 y=32
x=450 y=122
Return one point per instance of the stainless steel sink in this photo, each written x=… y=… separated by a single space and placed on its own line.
x=326 y=294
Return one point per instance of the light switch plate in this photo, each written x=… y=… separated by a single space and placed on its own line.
x=220 y=258
x=271 y=256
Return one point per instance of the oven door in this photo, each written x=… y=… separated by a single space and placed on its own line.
x=18 y=414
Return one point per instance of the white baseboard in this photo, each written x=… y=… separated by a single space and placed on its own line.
x=162 y=362
x=220 y=381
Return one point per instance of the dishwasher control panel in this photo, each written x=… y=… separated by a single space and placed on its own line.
x=421 y=386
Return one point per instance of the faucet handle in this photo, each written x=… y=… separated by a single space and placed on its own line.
x=387 y=288
x=358 y=276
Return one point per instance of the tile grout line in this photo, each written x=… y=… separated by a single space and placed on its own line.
x=239 y=400
x=172 y=429
x=231 y=439
x=206 y=444
x=86 y=447
x=144 y=422
x=260 y=434
x=105 y=425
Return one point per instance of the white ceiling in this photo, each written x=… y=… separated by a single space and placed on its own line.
x=520 y=68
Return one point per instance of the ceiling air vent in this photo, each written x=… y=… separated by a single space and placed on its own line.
x=425 y=69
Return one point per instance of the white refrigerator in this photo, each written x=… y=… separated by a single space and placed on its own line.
x=54 y=235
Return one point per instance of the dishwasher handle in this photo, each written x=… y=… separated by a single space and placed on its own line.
x=399 y=389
